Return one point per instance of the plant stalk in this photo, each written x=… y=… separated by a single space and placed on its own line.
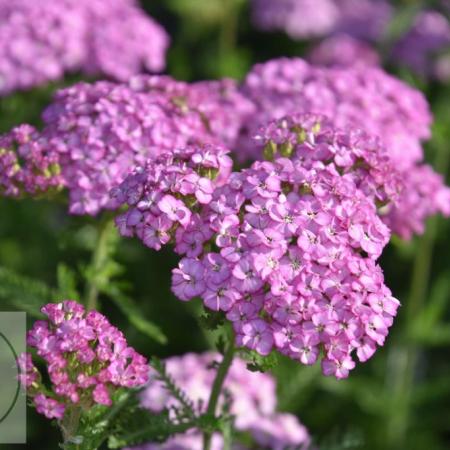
x=100 y=257
x=217 y=389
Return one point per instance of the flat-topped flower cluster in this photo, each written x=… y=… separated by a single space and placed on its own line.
x=42 y=40
x=307 y=19
x=94 y=134
x=366 y=98
x=86 y=358
x=25 y=166
x=286 y=249
x=253 y=403
x=355 y=98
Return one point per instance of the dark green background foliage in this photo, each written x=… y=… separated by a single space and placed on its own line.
x=400 y=399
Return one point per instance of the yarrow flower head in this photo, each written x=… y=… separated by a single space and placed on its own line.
x=294 y=268
x=286 y=250
x=300 y=19
x=164 y=196
x=26 y=167
x=312 y=140
x=98 y=132
x=424 y=195
x=41 y=40
x=305 y=19
x=355 y=97
x=252 y=397
x=425 y=47
x=219 y=103
x=87 y=360
x=342 y=50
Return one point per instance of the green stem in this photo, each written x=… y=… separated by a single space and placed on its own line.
x=69 y=426
x=228 y=30
x=227 y=36
x=406 y=355
x=100 y=257
x=217 y=389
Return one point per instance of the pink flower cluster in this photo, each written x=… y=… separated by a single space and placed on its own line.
x=165 y=195
x=303 y=19
x=41 y=40
x=342 y=50
x=98 y=132
x=311 y=139
x=87 y=359
x=425 y=47
x=26 y=167
x=403 y=197
x=219 y=103
x=253 y=403
x=357 y=97
x=287 y=250
x=424 y=195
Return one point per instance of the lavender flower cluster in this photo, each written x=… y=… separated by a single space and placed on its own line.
x=425 y=47
x=253 y=404
x=95 y=133
x=302 y=19
x=87 y=359
x=41 y=40
x=361 y=98
x=287 y=250
x=342 y=50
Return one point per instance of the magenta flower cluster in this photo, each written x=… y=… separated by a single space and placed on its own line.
x=303 y=19
x=98 y=132
x=311 y=139
x=403 y=197
x=424 y=195
x=287 y=250
x=86 y=358
x=25 y=166
x=42 y=40
x=425 y=47
x=342 y=50
x=165 y=195
x=357 y=97
x=354 y=98
x=253 y=403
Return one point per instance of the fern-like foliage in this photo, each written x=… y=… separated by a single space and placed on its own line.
x=137 y=426
x=186 y=411
x=23 y=293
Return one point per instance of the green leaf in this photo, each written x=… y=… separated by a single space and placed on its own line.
x=23 y=293
x=427 y=328
x=259 y=363
x=186 y=409
x=134 y=315
x=67 y=283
